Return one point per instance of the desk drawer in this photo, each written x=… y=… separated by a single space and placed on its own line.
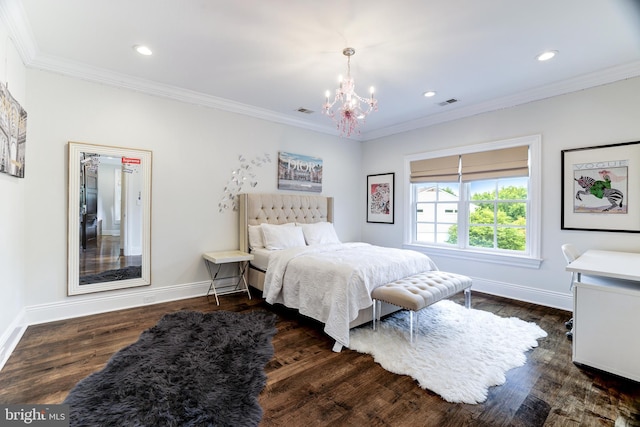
x=606 y=322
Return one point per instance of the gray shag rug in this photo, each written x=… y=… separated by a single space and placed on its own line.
x=191 y=369
x=131 y=272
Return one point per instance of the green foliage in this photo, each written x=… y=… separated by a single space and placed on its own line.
x=449 y=190
x=453 y=235
x=508 y=213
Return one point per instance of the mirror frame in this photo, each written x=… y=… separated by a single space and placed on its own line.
x=73 y=233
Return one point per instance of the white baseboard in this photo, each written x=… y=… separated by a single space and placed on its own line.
x=562 y=301
x=103 y=302
x=92 y=304
x=11 y=337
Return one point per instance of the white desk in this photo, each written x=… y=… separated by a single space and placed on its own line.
x=618 y=265
x=607 y=312
x=225 y=257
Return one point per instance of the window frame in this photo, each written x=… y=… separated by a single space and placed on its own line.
x=530 y=259
x=435 y=204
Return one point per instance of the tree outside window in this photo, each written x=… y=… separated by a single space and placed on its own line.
x=497 y=213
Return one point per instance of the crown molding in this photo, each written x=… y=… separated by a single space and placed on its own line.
x=576 y=84
x=13 y=15
x=102 y=76
x=94 y=74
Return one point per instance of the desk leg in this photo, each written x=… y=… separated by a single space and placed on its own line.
x=213 y=276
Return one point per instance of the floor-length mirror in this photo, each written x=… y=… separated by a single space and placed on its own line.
x=109 y=218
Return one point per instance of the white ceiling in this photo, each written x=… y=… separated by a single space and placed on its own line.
x=268 y=58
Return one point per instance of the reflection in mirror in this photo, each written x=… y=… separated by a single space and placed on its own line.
x=109 y=218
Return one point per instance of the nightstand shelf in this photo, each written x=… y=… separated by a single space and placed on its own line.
x=214 y=262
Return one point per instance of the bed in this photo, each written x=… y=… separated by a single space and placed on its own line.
x=316 y=274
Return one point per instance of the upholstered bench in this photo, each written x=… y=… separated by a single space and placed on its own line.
x=416 y=292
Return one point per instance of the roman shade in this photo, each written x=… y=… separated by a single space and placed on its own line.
x=502 y=163
x=441 y=169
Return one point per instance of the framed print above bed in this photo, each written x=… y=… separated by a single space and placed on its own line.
x=299 y=172
x=600 y=188
x=380 y=196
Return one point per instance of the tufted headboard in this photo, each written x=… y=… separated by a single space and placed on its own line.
x=256 y=208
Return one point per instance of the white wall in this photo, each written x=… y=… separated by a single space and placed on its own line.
x=13 y=249
x=133 y=240
x=194 y=149
x=106 y=197
x=602 y=115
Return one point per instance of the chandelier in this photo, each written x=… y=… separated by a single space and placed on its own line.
x=352 y=108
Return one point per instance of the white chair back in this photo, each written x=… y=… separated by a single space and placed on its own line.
x=571 y=253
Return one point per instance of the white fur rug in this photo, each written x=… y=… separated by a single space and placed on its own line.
x=459 y=353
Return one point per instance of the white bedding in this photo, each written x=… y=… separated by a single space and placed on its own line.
x=261 y=258
x=332 y=282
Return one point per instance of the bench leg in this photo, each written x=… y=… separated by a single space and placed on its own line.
x=375 y=302
x=377 y=309
x=412 y=326
x=467 y=298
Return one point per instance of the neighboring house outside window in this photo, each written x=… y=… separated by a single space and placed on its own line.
x=436 y=211
x=479 y=201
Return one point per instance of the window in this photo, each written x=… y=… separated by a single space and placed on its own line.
x=436 y=211
x=481 y=200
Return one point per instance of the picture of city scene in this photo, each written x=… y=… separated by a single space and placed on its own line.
x=13 y=134
x=299 y=172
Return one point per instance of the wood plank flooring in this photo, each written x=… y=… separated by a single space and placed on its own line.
x=103 y=254
x=310 y=385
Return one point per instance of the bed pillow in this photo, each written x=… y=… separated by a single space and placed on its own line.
x=256 y=237
x=319 y=233
x=282 y=237
x=256 y=241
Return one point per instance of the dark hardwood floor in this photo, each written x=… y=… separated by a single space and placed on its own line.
x=103 y=254
x=309 y=385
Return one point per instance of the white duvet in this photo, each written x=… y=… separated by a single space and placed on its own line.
x=332 y=282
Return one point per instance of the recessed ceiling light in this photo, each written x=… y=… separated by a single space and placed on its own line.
x=545 y=56
x=142 y=50
x=429 y=94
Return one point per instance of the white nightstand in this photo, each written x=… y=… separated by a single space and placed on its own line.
x=225 y=257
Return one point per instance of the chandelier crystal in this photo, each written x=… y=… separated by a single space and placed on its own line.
x=352 y=109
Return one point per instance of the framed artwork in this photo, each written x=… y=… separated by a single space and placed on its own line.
x=380 y=198
x=299 y=172
x=601 y=188
x=13 y=134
